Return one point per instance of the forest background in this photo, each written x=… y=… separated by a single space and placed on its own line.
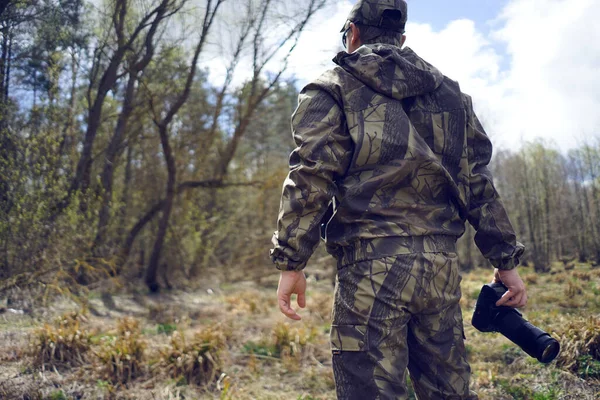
x=125 y=167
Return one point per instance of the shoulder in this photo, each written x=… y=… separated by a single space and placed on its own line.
x=467 y=101
x=336 y=82
x=328 y=83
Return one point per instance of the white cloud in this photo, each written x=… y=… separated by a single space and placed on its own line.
x=320 y=43
x=551 y=88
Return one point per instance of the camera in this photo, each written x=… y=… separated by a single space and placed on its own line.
x=510 y=323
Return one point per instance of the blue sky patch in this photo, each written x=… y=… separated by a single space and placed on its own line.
x=438 y=13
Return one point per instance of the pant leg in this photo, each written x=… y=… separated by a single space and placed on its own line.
x=438 y=365
x=368 y=334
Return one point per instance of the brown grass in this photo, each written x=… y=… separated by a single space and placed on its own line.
x=198 y=361
x=573 y=290
x=62 y=344
x=580 y=337
x=240 y=347
x=123 y=356
x=582 y=275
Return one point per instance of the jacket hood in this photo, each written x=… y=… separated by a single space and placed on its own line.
x=391 y=71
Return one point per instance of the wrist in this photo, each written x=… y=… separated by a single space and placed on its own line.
x=292 y=273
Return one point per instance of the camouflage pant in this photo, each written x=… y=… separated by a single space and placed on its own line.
x=398 y=312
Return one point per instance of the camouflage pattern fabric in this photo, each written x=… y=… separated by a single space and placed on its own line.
x=369 y=12
x=396 y=313
x=399 y=148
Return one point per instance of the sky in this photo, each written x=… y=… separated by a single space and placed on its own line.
x=531 y=66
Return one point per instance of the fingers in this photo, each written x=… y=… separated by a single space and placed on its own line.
x=513 y=299
x=523 y=302
x=301 y=300
x=509 y=299
x=284 y=307
x=291 y=282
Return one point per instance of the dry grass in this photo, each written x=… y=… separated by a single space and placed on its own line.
x=570 y=266
x=123 y=355
x=580 y=338
x=238 y=346
x=62 y=344
x=293 y=341
x=249 y=302
x=582 y=275
x=573 y=290
x=162 y=314
x=198 y=361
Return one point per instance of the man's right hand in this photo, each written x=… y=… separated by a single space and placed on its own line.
x=516 y=296
x=291 y=282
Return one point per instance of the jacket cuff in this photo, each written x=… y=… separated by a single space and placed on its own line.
x=510 y=262
x=284 y=263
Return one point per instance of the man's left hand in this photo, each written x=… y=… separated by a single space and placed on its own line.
x=291 y=282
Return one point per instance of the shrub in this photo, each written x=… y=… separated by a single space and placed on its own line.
x=580 y=342
x=249 y=302
x=62 y=344
x=58 y=395
x=570 y=266
x=199 y=360
x=166 y=329
x=573 y=290
x=123 y=355
x=582 y=275
x=292 y=342
x=262 y=348
x=588 y=367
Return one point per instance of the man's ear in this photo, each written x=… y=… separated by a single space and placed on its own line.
x=355 y=34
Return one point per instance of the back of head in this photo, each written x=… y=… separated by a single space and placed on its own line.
x=379 y=21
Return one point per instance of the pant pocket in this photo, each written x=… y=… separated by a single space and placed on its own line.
x=348 y=338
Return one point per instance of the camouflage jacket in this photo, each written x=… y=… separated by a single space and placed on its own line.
x=398 y=149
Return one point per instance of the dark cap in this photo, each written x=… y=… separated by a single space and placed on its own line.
x=383 y=14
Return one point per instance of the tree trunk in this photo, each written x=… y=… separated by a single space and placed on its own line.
x=591 y=161
x=125 y=197
x=163 y=225
x=548 y=245
x=109 y=164
x=163 y=126
x=581 y=236
x=539 y=264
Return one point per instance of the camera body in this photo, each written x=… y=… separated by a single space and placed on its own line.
x=488 y=317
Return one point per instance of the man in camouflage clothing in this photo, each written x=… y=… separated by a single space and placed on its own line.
x=396 y=148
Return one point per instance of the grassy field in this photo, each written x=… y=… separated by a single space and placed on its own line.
x=229 y=341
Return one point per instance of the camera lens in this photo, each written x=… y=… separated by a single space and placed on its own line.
x=550 y=352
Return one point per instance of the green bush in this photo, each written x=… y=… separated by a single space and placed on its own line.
x=589 y=367
x=260 y=349
x=166 y=329
x=58 y=395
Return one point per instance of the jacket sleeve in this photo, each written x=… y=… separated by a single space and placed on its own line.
x=323 y=152
x=495 y=235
